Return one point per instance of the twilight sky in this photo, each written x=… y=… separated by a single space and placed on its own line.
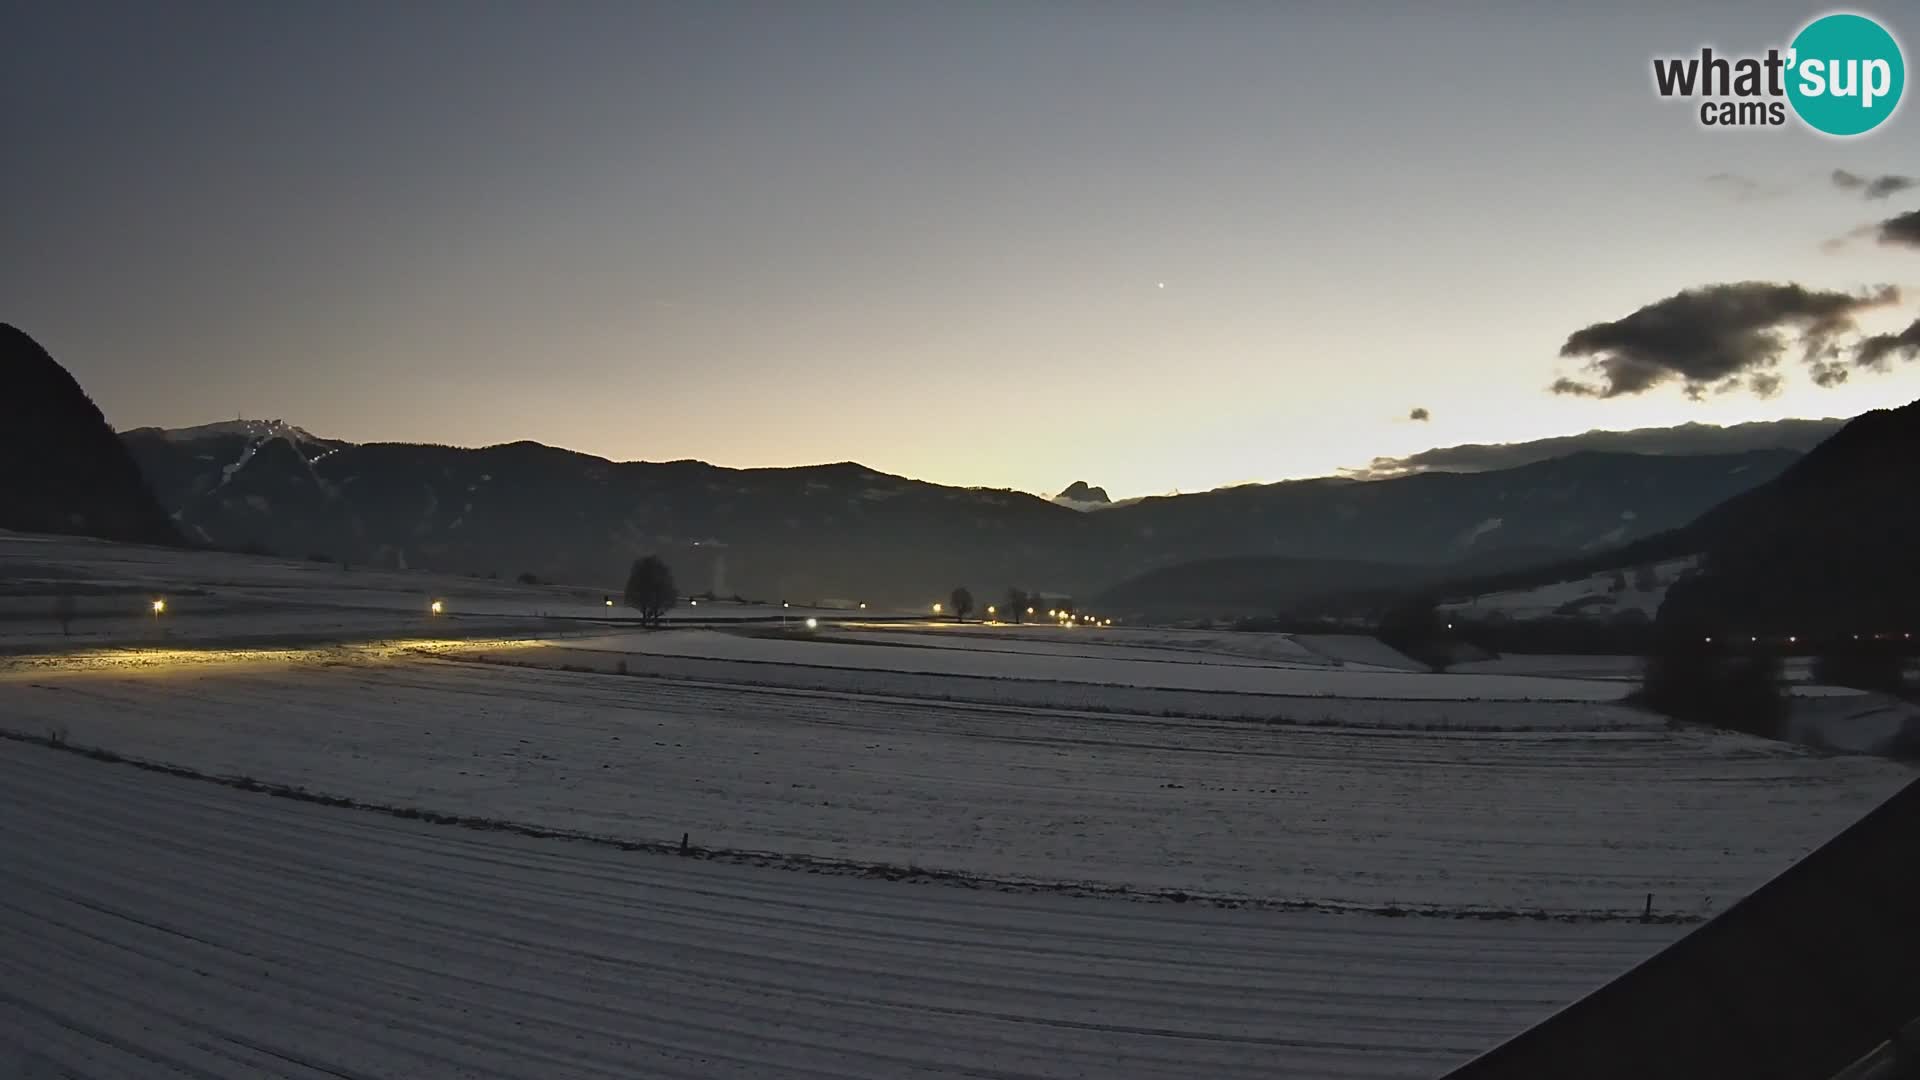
x=930 y=237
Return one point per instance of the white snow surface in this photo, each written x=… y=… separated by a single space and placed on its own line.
x=157 y=926
x=1577 y=822
x=1304 y=681
x=1593 y=596
x=1118 y=853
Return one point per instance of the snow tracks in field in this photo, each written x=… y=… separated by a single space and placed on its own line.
x=157 y=926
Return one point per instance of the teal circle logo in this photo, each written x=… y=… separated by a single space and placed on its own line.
x=1846 y=74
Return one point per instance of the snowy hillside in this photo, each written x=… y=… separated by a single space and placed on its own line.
x=1631 y=591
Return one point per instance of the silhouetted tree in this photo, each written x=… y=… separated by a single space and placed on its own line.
x=650 y=589
x=962 y=603
x=1414 y=627
x=1691 y=674
x=1016 y=604
x=528 y=577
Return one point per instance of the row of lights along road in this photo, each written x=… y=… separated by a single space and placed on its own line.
x=1065 y=618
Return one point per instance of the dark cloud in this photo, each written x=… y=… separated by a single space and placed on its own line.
x=1685 y=439
x=1420 y=413
x=1873 y=187
x=1903 y=231
x=1873 y=352
x=1718 y=336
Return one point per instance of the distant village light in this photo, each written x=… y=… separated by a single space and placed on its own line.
x=159 y=606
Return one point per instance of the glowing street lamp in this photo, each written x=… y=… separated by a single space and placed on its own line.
x=609 y=601
x=159 y=606
x=990 y=609
x=1052 y=614
x=936 y=609
x=1029 y=611
x=813 y=623
x=438 y=607
x=863 y=605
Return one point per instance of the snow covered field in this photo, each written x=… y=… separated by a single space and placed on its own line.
x=1050 y=693
x=1580 y=823
x=1235 y=676
x=924 y=849
x=1602 y=595
x=219 y=598
x=157 y=926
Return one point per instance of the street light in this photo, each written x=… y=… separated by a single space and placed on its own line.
x=159 y=607
x=990 y=609
x=609 y=601
x=1029 y=611
x=813 y=623
x=936 y=609
x=863 y=605
x=437 y=608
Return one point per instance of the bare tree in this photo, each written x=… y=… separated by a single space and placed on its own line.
x=1016 y=602
x=650 y=589
x=962 y=603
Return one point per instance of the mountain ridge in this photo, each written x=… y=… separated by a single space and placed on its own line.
x=62 y=468
x=845 y=529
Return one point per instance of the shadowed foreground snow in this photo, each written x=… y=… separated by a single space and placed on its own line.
x=160 y=926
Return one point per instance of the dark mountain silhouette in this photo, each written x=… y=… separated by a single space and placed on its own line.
x=1248 y=585
x=1831 y=546
x=1079 y=492
x=1269 y=585
x=1691 y=439
x=62 y=469
x=1825 y=549
x=848 y=531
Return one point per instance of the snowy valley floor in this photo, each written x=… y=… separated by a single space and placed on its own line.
x=915 y=850
x=156 y=926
